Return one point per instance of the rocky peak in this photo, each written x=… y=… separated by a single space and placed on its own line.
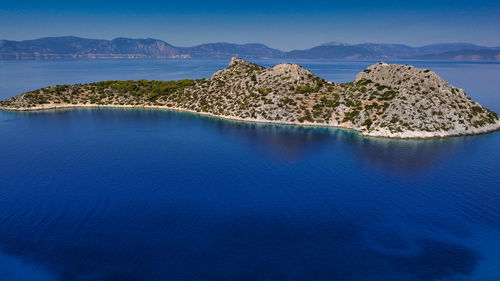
x=237 y=66
x=240 y=69
x=239 y=61
x=403 y=76
x=294 y=71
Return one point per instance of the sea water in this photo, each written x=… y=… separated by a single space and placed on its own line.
x=134 y=194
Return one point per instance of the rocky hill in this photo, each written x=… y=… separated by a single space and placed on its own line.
x=385 y=100
x=423 y=104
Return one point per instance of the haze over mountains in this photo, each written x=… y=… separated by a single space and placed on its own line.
x=74 y=48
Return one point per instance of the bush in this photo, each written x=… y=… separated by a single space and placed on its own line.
x=304 y=89
x=368 y=122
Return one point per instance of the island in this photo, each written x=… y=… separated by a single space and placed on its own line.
x=385 y=100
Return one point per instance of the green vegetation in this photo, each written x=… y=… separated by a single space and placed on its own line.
x=304 y=89
x=367 y=123
x=387 y=95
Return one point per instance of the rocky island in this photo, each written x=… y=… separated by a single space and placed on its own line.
x=385 y=100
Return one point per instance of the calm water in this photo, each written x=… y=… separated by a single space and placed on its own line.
x=110 y=194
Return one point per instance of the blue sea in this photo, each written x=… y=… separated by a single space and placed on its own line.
x=130 y=194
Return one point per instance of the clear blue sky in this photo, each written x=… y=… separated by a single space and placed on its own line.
x=280 y=24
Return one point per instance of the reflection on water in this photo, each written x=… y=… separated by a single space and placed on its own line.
x=293 y=143
x=405 y=155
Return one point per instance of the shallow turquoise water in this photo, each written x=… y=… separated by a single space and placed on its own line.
x=109 y=194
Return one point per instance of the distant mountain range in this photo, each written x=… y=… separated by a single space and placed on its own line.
x=70 y=47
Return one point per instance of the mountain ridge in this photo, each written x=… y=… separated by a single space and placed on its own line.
x=72 y=47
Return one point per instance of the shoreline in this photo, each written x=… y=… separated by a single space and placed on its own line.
x=411 y=135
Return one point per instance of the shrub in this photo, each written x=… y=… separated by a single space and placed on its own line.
x=304 y=89
x=368 y=122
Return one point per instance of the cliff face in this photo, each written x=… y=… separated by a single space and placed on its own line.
x=385 y=100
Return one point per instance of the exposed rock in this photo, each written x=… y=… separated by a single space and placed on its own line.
x=294 y=71
x=425 y=105
x=234 y=61
x=385 y=100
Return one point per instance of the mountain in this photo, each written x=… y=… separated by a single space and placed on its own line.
x=331 y=52
x=228 y=50
x=336 y=50
x=478 y=54
x=75 y=48
x=389 y=50
x=385 y=100
x=447 y=47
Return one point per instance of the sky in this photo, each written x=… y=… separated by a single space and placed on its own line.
x=284 y=25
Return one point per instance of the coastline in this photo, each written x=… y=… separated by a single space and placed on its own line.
x=408 y=135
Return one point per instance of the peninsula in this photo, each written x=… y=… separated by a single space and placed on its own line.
x=385 y=100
